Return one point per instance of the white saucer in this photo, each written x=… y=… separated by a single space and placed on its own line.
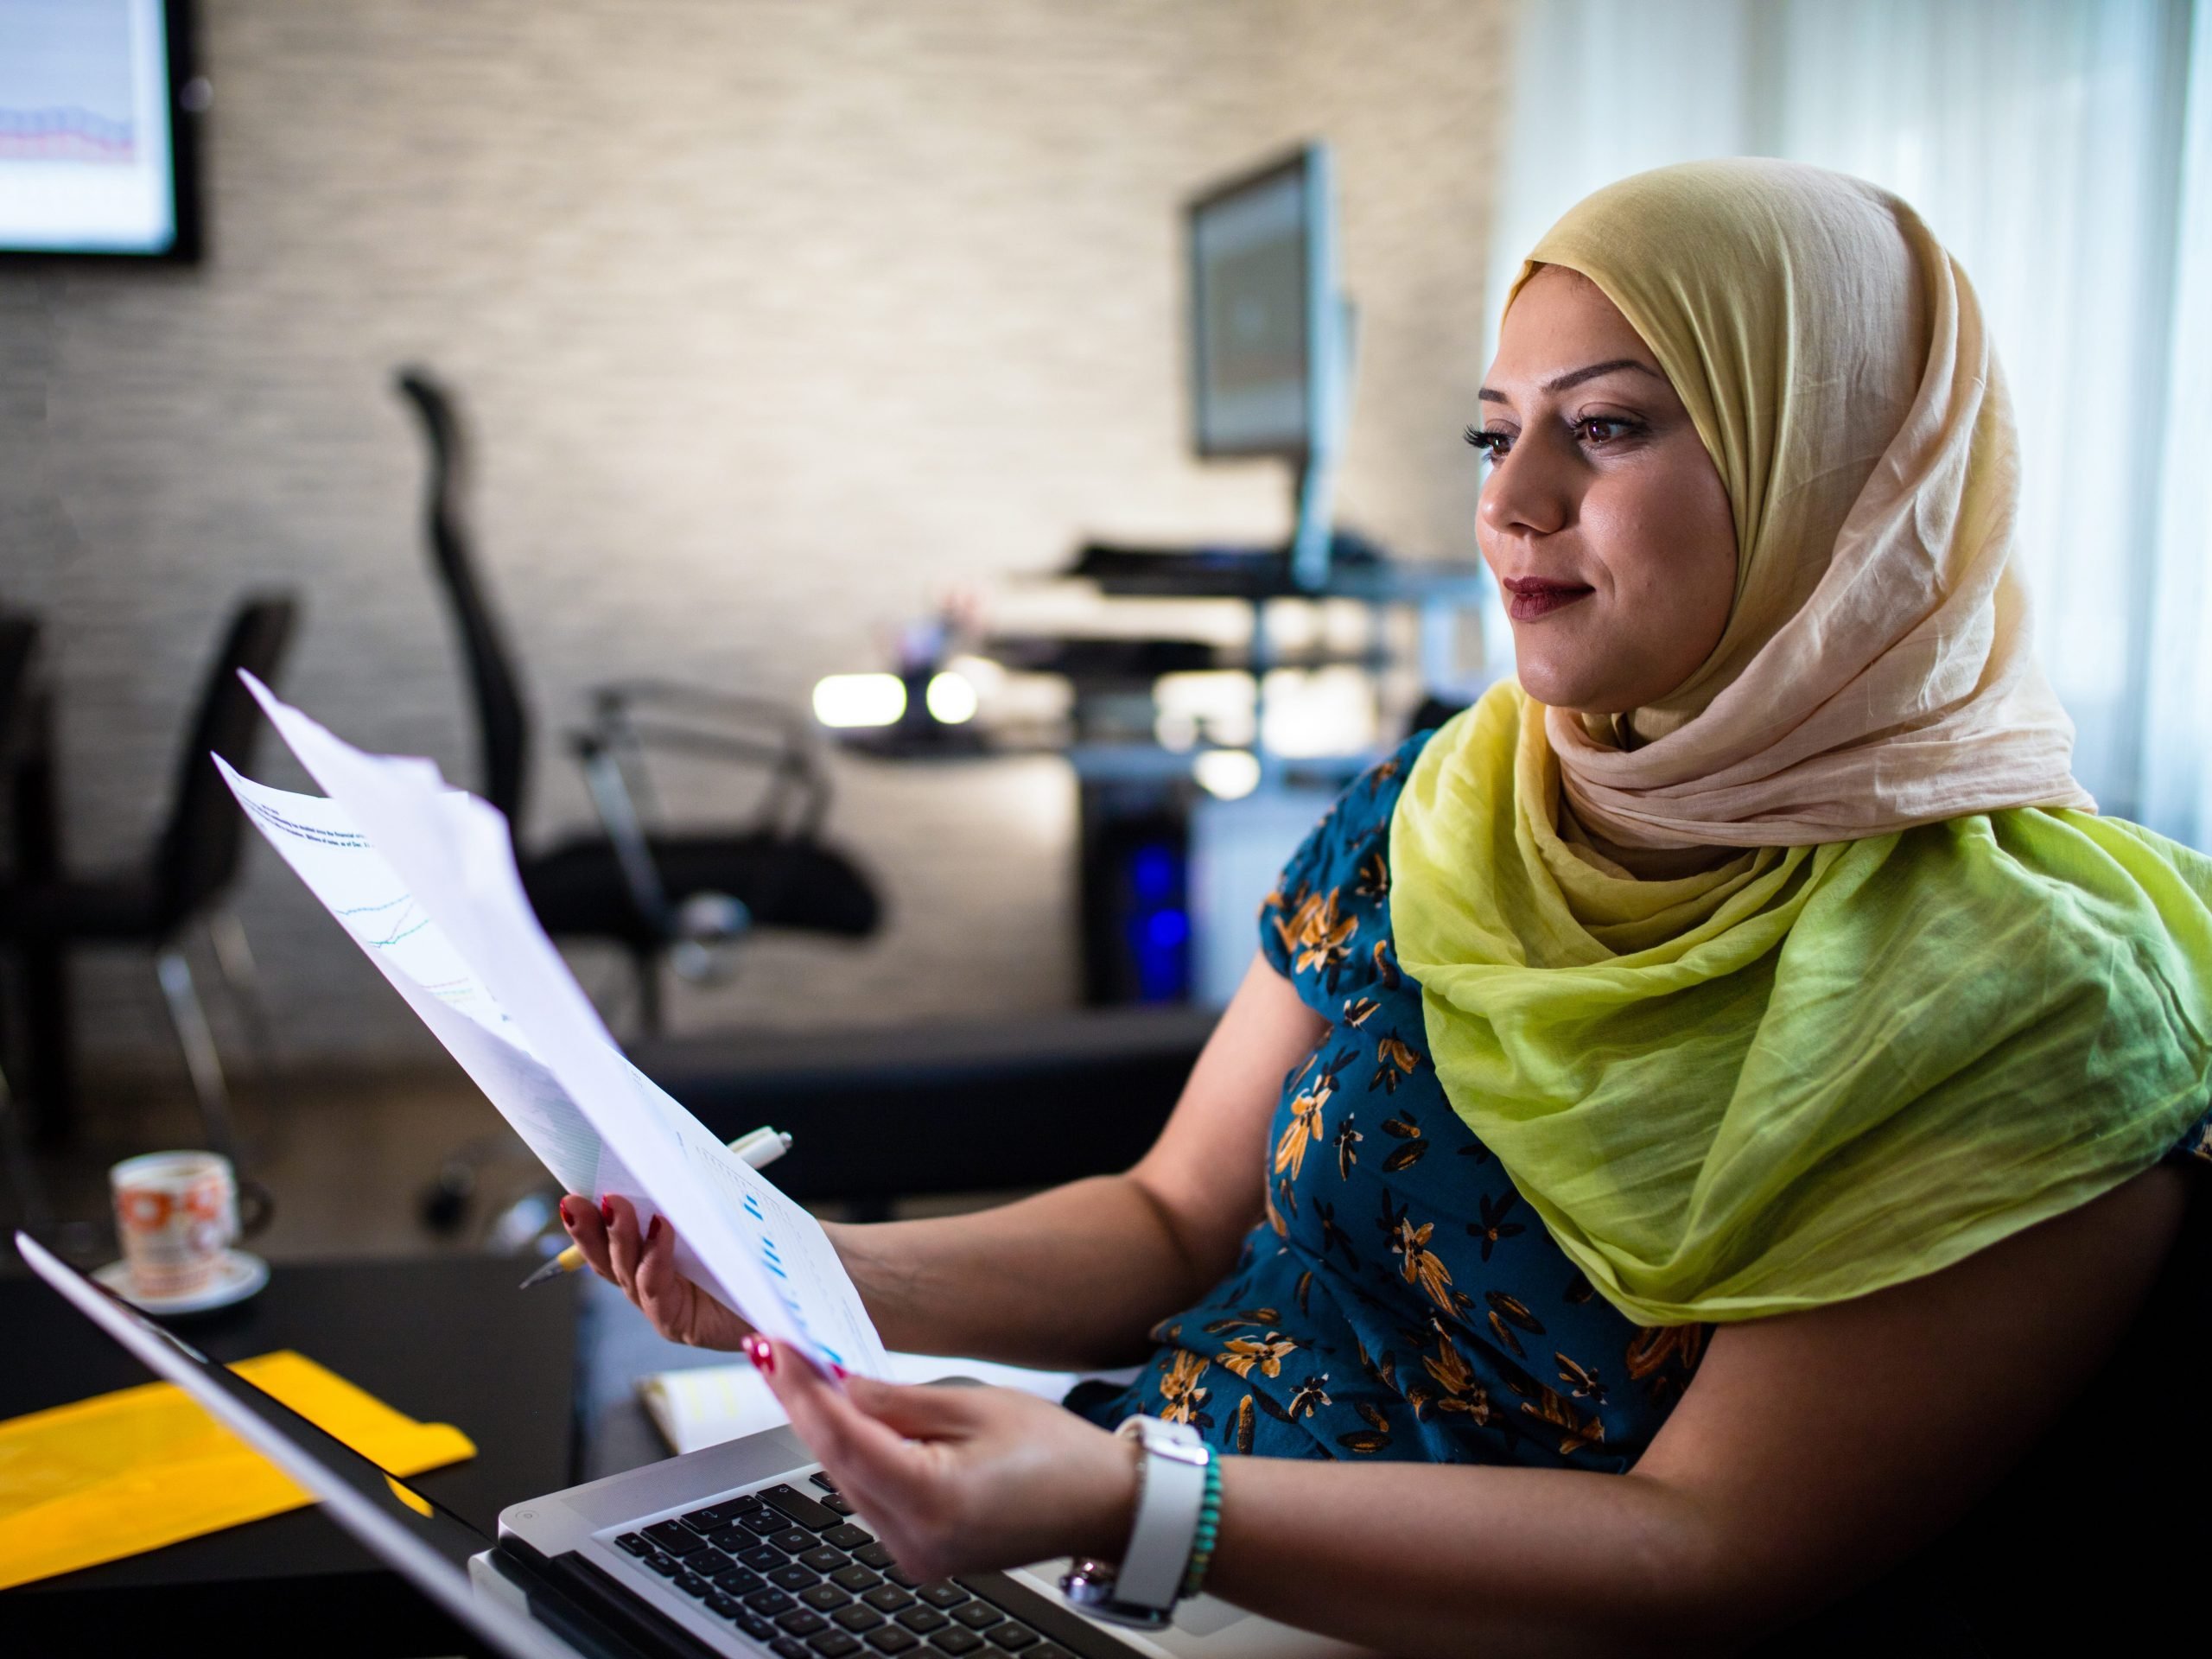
x=238 y=1275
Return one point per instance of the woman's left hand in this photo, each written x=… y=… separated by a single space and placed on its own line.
x=960 y=1479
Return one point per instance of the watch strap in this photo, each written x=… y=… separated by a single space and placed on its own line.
x=1170 y=1493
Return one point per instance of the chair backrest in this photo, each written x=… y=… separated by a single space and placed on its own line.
x=502 y=718
x=2068 y=1552
x=197 y=852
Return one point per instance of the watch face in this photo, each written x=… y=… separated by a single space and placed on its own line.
x=1094 y=1599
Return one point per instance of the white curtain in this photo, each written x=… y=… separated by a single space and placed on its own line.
x=2063 y=150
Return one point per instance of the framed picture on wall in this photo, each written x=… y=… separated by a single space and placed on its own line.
x=98 y=158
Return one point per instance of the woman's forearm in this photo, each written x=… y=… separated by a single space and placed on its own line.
x=1075 y=1278
x=1069 y=1278
x=1438 y=1560
x=1808 y=1451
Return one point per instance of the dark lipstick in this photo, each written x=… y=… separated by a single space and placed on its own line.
x=1530 y=597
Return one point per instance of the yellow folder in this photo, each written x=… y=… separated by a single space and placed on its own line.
x=142 y=1467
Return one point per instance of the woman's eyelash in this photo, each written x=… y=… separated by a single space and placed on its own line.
x=1495 y=444
x=1624 y=428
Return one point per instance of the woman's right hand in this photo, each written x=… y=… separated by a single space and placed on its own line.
x=645 y=1269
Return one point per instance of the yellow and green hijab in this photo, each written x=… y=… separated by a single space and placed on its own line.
x=1934 y=998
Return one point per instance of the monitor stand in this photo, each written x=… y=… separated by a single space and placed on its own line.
x=1310 y=537
x=1316 y=483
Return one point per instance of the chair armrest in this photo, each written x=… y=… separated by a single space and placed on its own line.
x=617 y=697
x=707 y=724
x=702 y=724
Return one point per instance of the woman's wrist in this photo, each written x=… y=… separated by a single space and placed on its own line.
x=852 y=1242
x=1107 y=1512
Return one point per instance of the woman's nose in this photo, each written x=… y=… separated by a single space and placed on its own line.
x=1527 y=491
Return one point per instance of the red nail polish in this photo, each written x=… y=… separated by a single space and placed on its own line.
x=565 y=1221
x=653 y=1231
x=762 y=1355
x=606 y=1211
x=839 y=1372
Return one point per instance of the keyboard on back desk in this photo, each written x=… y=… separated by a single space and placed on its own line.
x=796 y=1572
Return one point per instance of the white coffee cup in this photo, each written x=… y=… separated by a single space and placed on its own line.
x=175 y=1213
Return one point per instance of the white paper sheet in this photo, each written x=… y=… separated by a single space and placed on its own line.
x=423 y=876
x=706 y=1405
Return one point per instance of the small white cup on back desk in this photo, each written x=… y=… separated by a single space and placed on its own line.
x=176 y=1215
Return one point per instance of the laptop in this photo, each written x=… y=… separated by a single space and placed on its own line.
x=741 y=1548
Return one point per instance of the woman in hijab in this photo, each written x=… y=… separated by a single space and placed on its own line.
x=1713 y=1102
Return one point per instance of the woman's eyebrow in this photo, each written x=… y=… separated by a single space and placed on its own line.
x=1576 y=377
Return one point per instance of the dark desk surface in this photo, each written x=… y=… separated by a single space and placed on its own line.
x=446 y=1339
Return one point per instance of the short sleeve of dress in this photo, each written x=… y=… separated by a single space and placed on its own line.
x=1323 y=883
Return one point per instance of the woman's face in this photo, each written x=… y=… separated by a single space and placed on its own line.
x=1603 y=517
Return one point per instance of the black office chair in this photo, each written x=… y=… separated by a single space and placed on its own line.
x=183 y=880
x=688 y=896
x=2077 y=1547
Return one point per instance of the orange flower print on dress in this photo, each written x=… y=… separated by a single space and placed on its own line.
x=1577 y=1431
x=1318 y=937
x=1285 y=895
x=1374 y=881
x=1304 y=1128
x=1494 y=1229
x=1309 y=1396
x=1506 y=1311
x=1264 y=1318
x=1450 y=1372
x=1386 y=965
x=1376 y=1437
x=1348 y=1140
x=1662 y=1357
x=1420 y=1265
x=1244 y=1354
x=1413 y=1152
x=1179 y=1394
x=1395 y=1061
x=1581 y=1381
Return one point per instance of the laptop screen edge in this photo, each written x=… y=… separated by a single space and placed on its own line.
x=412 y=1559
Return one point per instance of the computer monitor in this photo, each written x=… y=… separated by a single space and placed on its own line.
x=97 y=100
x=1269 y=340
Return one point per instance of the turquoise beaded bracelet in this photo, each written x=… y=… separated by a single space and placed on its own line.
x=1209 y=1527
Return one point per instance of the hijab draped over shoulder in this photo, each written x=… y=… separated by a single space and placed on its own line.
x=1935 y=999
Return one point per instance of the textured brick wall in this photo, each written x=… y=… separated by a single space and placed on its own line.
x=777 y=320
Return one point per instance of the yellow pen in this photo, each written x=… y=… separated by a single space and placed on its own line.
x=759 y=1147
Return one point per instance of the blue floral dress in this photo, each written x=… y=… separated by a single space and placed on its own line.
x=1400 y=1301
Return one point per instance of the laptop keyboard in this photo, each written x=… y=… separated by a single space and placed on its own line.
x=793 y=1571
